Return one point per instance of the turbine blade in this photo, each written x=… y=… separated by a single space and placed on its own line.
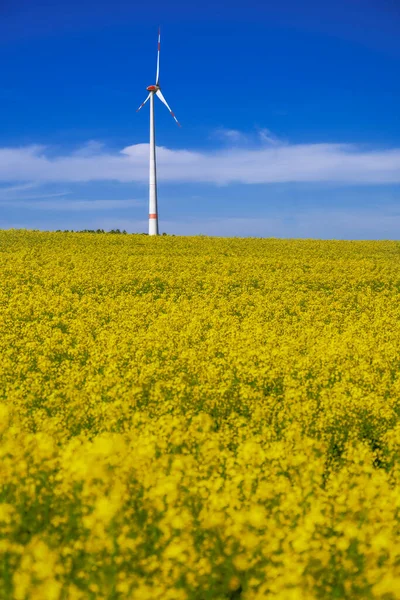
x=143 y=103
x=163 y=100
x=158 y=57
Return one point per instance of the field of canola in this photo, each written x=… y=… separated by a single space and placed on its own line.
x=198 y=418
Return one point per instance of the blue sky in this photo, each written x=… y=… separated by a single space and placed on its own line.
x=289 y=112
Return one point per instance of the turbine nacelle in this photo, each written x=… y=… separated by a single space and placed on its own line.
x=153 y=88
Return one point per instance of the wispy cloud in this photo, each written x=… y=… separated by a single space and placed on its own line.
x=267 y=137
x=232 y=136
x=73 y=205
x=16 y=189
x=266 y=163
x=90 y=148
x=26 y=191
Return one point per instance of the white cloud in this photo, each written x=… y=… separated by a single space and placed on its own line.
x=337 y=163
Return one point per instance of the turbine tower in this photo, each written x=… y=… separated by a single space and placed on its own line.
x=154 y=90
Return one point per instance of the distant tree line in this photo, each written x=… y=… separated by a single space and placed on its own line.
x=90 y=231
x=117 y=231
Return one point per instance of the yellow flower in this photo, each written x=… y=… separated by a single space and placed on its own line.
x=178 y=412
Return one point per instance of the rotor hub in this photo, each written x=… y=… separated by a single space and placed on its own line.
x=153 y=88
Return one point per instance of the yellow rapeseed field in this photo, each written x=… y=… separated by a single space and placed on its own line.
x=198 y=418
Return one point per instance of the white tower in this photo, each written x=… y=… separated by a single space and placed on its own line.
x=154 y=90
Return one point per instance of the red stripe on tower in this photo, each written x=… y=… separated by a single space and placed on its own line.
x=153 y=216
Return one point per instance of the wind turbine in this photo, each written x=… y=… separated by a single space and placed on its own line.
x=154 y=90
